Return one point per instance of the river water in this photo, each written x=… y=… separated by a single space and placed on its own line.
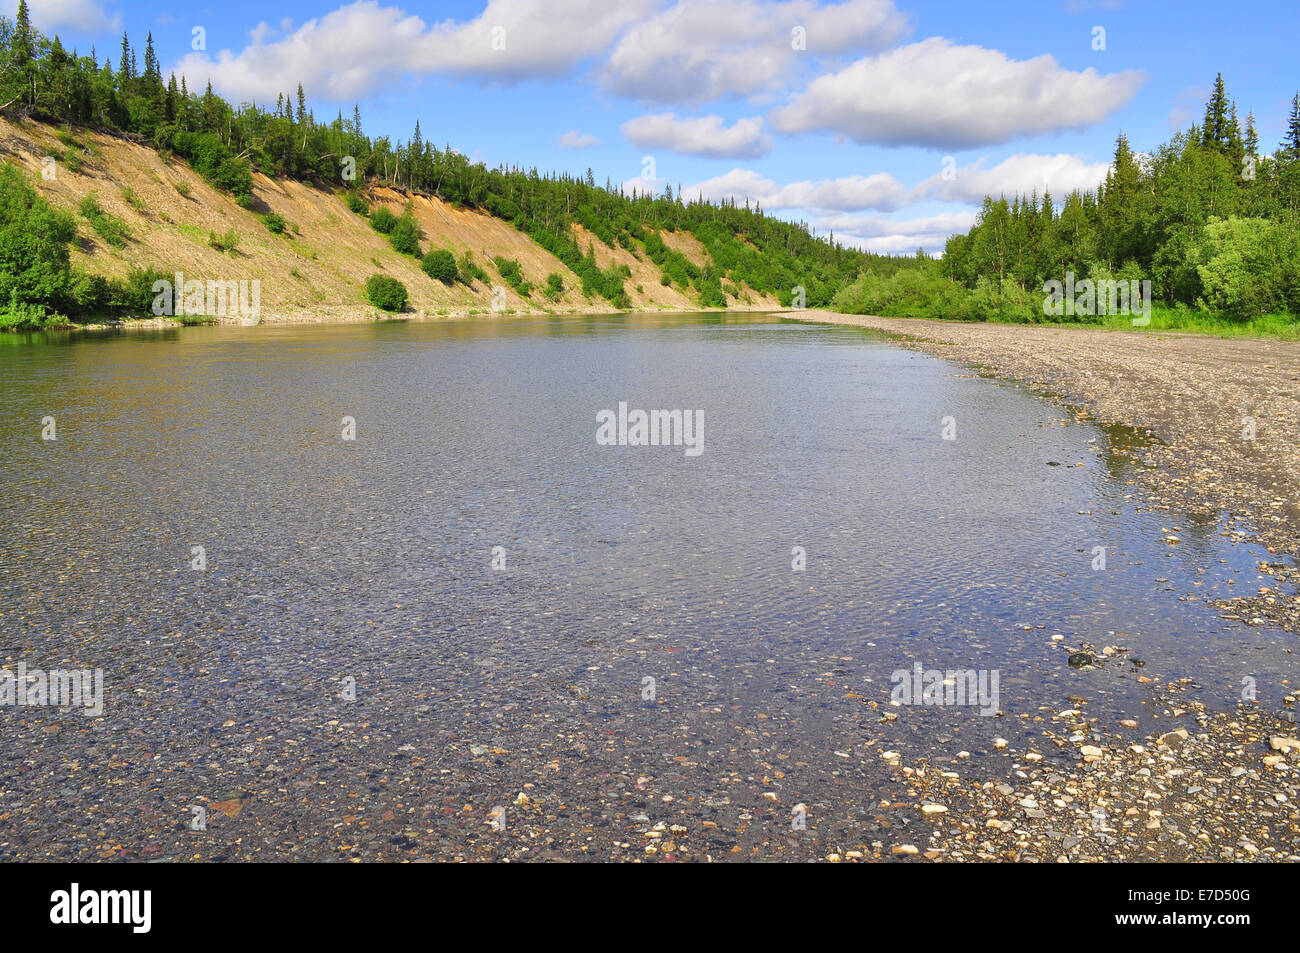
x=391 y=636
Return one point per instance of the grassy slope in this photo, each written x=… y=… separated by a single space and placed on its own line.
x=318 y=272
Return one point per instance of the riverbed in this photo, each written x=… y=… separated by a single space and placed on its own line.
x=378 y=592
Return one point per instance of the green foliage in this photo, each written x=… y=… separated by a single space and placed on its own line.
x=108 y=227
x=554 y=285
x=440 y=265
x=468 y=271
x=133 y=199
x=383 y=220
x=225 y=143
x=183 y=189
x=509 y=270
x=274 y=221
x=1151 y=216
x=1248 y=267
x=386 y=293
x=226 y=242
x=405 y=235
x=134 y=293
x=34 y=240
x=1210 y=221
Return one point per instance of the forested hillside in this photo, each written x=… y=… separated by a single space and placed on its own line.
x=746 y=254
x=1210 y=218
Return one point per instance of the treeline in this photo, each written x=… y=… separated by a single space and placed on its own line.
x=225 y=144
x=1209 y=218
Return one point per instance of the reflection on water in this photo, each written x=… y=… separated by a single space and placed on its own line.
x=331 y=560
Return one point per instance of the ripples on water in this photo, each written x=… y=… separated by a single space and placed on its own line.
x=330 y=560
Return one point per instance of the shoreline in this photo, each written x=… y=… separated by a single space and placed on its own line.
x=1193 y=394
x=1218 y=786
x=370 y=315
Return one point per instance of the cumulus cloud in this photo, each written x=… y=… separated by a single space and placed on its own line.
x=876 y=226
x=1022 y=173
x=707 y=136
x=880 y=191
x=943 y=96
x=48 y=15
x=887 y=236
x=353 y=50
x=702 y=50
x=577 y=140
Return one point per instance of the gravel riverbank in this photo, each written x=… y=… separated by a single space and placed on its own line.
x=1214 y=786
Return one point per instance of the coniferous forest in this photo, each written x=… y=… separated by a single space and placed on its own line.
x=1211 y=218
x=41 y=79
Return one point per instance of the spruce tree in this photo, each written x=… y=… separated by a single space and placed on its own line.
x=1214 y=130
x=1291 y=141
x=22 y=53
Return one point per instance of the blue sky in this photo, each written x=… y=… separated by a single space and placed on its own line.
x=884 y=120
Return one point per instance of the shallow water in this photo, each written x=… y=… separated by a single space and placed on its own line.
x=369 y=562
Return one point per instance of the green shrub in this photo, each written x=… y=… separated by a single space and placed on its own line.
x=440 y=265
x=382 y=220
x=356 y=202
x=227 y=242
x=509 y=270
x=133 y=200
x=183 y=188
x=34 y=240
x=110 y=228
x=1248 y=267
x=405 y=236
x=386 y=293
x=91 y=294
x=467 y=270
x=554 y=285
x=274 y=221
x=135 y=291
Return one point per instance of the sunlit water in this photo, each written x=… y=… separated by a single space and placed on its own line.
x=335 y=563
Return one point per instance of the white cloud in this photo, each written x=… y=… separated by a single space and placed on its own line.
x=355 y=49
x=705 y=136
x=1019 y=174
x=702 y=50
x=875 y=226
x=577 y=140
x=939 y=95
x=88 y=16
x=643 y=184
x=887 y=236
x=851 y=193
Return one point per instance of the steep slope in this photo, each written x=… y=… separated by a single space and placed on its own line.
x=317 y=269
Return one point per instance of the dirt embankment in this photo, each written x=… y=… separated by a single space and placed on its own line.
x=316 y=271
x=1226 y=414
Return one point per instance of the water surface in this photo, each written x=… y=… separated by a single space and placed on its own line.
x=333 y=563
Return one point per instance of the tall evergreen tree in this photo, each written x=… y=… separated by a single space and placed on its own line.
x=1215 y=128
x=1291 y=140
